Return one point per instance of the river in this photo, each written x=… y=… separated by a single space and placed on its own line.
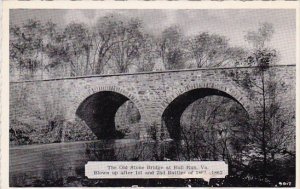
x=62 y=164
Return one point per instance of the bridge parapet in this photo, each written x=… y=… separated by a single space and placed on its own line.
x=151 y=92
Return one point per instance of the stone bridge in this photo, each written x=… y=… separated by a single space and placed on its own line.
x=160 y=97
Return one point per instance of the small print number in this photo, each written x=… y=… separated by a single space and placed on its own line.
x=285 y=183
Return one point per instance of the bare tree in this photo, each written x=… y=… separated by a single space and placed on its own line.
x=171 y=48
x=212 y=50
x=105 y=33
x=148 y=56
x=70 y=48
x=113 y=44
x=26 y=47
x=271 y=131
x=118 y=42
x=214 y=132
x=128 y=49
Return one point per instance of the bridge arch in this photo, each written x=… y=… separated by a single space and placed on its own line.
x=181 y=98
x=97 y=107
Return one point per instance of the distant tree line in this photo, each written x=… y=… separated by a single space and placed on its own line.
x=259 y=149
x=256 y=147
x=114 y=44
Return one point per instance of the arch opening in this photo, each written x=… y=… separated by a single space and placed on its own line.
x=99 y=112
x=171 y=117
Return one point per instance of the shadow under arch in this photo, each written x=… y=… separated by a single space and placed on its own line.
x=172 y=114
x=98 y=111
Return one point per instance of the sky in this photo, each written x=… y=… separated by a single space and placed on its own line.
x=233 y=23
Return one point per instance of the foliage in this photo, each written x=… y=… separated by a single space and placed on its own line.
x=259 y=38
x=26 y=47
x=213 y=133
x=56 y=130
x=171 y=49
x=68 y=47
x=114 y=44
x=119 y=40
x=218 y=130
x=153 y=130
x=212 y=50
x=271 y=132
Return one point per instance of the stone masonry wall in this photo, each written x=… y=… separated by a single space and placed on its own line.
x=150 y=92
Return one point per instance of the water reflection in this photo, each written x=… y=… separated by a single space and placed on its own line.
x=62 y=164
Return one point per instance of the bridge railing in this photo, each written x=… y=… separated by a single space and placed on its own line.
x=148 y=72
